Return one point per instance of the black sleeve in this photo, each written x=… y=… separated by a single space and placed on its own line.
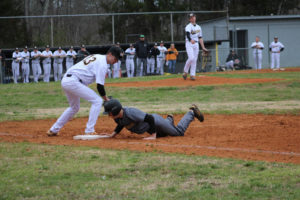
x=101 y=89
x=150 y=120
x=119 y=128
x=270 y=49
x=281 y=49
x=188 y=35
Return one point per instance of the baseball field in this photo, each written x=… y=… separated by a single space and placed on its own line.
x=248 y=146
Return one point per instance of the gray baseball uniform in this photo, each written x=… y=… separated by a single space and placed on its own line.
x=133 y=120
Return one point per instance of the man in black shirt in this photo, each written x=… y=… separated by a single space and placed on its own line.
x=82 y=53
x=141 y=48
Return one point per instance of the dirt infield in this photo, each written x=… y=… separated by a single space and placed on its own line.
x=272 y=138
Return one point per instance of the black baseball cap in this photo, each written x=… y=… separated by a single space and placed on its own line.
x=116 y=52
x=17 y=48
x=82 y=46
x=59 y=47
x=25 y=47
x=155 y=44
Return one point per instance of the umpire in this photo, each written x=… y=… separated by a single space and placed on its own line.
x=141 y=48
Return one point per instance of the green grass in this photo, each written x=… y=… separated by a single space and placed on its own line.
x=47 y=100
x=30 y=171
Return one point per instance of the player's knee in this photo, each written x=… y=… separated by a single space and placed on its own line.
x=75 y=108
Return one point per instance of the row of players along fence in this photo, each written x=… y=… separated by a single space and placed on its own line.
x=206 y=63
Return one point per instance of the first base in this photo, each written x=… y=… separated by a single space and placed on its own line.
x=89 y=137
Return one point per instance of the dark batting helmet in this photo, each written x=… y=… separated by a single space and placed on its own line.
x=116 y=52
x=112 y=106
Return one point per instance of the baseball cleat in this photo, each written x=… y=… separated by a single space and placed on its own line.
x=184 y=76
x=193 y=78
x=51 y=133
x=197 y=113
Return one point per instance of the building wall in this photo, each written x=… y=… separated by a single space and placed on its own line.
x=287 y=30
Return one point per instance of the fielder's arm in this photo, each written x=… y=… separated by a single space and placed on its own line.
x=202 y=44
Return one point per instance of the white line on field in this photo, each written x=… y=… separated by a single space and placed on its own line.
x=218 y=148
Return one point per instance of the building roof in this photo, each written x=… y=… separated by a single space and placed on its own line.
x=266 y=17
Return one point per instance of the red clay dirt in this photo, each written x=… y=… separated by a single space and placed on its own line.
x=274 y=138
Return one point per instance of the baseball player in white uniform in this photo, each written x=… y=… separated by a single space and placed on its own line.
x=25 y=65
x=276 y=48
x=58 y=56
x=71 y=56
x=117 y=66
x=161 y=58
x=35 y=63
x=130 y=53
x=17 y=57
x=193 y=36
x=257 y=47
x=75 y=85
x=47 y=54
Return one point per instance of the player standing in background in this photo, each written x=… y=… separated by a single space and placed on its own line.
x=171 y=58
x=152 y=57
x=193 y=36
x=75 y=85
x=82 y=53
x=25 y=65
x=47 y=54
x=71 y=56
x=141 y=48
x=161 y=58
x=117 y=65
x=15 y=66
x=276 y=48
x=35 y=64
x=257 y=47
x=130 y=53
x=58 y=56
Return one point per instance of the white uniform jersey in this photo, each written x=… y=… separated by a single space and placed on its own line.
x=162 y=50
x=25 y=56
x=194 y=30
x=276 y=46
x=61 y=55
x=92 y=68
x=130 y=53
x=255 y=50
x=37 y=59
x=70 y=55
x=47 y=53
x=17 y=57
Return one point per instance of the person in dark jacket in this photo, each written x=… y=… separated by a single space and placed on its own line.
x=152 y=58
x=141 y=48
x=82 y=53
x=232 y=60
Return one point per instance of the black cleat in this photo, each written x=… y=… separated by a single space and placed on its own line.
x=184 y=76
x=197 y=113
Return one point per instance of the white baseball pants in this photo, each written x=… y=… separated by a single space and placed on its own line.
x=116 y=69
x=160 y=66
x=47 y=70
x=150 y=65
x=25 y=72
x=192 y=52
x=275 y=58
x=257 y=60
x=69 y=65
x=16 y=71
x=36 y=71
x=75 y=90
x=130 y=67
x=57 y=68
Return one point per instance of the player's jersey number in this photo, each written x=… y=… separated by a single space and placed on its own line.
x=89 y=59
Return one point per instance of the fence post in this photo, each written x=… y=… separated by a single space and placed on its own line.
x=51 y=27
x=172 y=33
x=113 y=28
x=217 y=55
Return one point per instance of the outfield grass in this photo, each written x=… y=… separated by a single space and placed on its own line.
x=31 y=171
x=47 y=100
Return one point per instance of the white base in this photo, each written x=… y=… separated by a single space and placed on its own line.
x=89 y=137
